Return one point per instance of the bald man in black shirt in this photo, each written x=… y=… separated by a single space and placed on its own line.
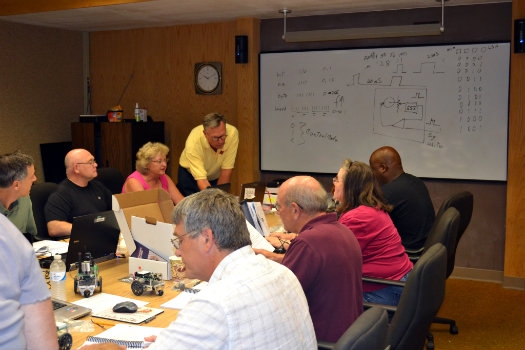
x=413 y=213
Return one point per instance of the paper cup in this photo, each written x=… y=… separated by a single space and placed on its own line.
x=177 y=268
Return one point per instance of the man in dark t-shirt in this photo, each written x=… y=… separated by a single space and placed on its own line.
x=78 y=194
x=413 y=213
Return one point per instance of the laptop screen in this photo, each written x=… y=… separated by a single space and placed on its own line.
x=97 y=234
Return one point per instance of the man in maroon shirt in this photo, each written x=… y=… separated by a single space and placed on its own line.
x=324 y=255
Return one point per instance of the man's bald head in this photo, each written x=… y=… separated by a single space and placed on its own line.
x=386 y=164
x=81 y=166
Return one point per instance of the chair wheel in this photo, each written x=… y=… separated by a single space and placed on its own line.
x=430 y=341
x=453 y=329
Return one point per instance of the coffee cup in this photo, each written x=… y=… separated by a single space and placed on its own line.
x=177 y=268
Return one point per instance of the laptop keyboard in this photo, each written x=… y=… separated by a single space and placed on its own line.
x=57 y=304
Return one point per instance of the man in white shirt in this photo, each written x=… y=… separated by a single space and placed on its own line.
x=250 y=302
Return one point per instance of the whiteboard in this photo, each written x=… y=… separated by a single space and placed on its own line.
x=444 y=108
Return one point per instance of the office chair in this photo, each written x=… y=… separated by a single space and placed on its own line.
x=112 y=178
x=368 y=331
x=421 y=299
x=464 y=203
x=443 y=232
x=39 y=194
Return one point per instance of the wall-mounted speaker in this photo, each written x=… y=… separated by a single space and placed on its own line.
x=519 y=35
x=241 y=49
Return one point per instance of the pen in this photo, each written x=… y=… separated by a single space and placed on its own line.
x=148 y=320
x=102 y=324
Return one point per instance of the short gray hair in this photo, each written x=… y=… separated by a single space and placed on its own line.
x=213 y=120
x=13 y=167
x=307 y=193
x=217 y=210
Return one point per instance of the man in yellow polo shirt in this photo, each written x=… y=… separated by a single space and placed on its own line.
x=209 y=155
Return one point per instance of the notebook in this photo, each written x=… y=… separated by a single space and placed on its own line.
x=97 y=234
x=64 y=310
x=130 y=336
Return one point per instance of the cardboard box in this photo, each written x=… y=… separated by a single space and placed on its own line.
x=144 y=219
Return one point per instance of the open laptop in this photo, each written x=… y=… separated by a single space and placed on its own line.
x=97 y=234
x=64 y=310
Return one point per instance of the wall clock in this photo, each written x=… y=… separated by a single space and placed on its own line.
x=208 y=78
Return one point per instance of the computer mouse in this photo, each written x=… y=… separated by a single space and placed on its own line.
x=125 y=307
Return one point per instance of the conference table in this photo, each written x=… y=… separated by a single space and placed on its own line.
x=111 y=272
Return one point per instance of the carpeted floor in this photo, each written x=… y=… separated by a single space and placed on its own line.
x=488 y=316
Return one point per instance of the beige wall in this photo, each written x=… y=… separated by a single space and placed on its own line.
x=40 y=87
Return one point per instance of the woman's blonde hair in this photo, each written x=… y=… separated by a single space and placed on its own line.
x=146 y=153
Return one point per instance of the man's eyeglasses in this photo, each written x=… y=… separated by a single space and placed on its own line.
x=89 y=162
x=177 y=241
x=160 y=161
x=277 y=205
x=219 y=138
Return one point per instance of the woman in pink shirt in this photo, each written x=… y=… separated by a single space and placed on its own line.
x=362 y=208
x=151 y=166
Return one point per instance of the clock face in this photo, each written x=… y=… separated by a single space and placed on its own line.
x=208 y=78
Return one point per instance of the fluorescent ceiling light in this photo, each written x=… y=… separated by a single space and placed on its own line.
x=363 y=32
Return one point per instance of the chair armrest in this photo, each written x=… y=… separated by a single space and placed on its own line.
x=321 y=345
x=383 y=281
x=389 y=308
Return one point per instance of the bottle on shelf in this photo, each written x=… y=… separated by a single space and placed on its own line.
x=57 y=277
x=137 y=112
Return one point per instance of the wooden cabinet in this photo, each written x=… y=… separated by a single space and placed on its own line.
x=115 y=144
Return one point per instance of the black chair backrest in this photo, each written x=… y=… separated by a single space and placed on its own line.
x=445 y=231
x=422 y=296
x=39 y=194
x=464 y=203
x=112 y=178
x=369 y=331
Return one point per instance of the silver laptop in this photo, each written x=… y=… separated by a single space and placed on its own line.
x=68 y=311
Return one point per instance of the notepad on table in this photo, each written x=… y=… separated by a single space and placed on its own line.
x=143 y=314
x=184 y=297
x=130 y=336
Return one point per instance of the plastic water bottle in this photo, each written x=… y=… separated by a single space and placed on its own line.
x=57 y=276
x=137 y=112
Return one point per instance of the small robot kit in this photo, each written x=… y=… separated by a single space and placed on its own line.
x=147 y=281
x=87 y=280
x=65 y=340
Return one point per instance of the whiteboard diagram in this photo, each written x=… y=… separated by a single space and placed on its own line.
x=443 y=107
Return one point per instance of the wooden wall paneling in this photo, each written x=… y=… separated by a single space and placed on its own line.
x=247 y=76
x=83 y=136
x=162 y=62
x=515 y=220
x=115 y=141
